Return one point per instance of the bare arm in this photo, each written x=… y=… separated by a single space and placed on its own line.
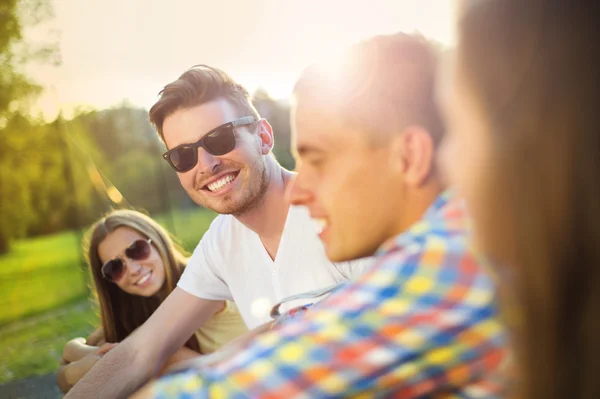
x=69 y=373
x=140 y=357
x=183 y=354
x=79 y=355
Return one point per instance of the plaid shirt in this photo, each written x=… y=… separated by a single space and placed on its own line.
x=423 y=322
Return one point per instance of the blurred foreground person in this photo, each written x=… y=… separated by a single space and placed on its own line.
x=524 y=149
x=135 y=264
x=423 y=321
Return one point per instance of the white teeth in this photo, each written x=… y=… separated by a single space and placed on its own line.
x=216 y=185
x=320 y=225
x=144 y=279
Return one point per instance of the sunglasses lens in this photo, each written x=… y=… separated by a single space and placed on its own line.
x=184 y=158
x=139 y=250
x=220 y=142
x=113 y=270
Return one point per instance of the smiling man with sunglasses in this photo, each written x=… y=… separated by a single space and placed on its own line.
x=260 y=250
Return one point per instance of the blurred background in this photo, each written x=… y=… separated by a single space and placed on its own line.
x=76 y=80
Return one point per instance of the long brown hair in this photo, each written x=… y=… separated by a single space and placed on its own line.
x=120 y=312
x=534 y=69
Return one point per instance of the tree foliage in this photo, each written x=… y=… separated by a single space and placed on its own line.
x=14 y=88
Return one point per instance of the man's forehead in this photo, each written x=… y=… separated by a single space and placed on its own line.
x=314 y=125
x=192 y=123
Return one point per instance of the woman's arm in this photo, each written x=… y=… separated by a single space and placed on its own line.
x=86 y=356
x=79 y=347
x=79 y=355
x=70 y=372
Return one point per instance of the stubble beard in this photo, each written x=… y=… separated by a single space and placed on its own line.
x=255 y=196
x=251 y=197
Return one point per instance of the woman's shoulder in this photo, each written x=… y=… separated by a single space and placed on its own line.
x=229 y=314
x=230 y=309
x=221 y=328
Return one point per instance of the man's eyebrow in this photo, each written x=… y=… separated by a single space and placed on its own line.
x=307 y=149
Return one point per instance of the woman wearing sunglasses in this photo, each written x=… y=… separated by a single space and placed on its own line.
x=524 y=149
x=135 y=265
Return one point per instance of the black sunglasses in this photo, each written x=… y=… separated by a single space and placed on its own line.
x=218 y=141
x=114 y=269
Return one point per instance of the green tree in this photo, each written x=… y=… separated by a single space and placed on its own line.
x=278 y=115
x=15 y=92
x=130 y=157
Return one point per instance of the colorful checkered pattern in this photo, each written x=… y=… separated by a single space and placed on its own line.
x=422 y=323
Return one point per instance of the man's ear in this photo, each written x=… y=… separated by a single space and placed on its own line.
x=412 y=154
x=265 y=133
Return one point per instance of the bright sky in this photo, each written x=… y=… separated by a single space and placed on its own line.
x=116 y=50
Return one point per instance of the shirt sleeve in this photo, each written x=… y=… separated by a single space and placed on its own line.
x=407 y=326
x=201 y=276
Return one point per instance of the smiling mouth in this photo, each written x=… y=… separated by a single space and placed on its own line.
x=321 y=224
x=219 y=184
x=144 y=278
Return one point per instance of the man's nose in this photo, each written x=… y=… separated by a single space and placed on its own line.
x=207 y=162
x=297 y=193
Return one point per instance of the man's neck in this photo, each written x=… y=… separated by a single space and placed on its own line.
x=415 y=207
x=268 y=219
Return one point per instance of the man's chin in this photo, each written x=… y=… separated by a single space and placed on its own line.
x=346 y=254
x=337 y=255
x=227 y=207
x=222 y=205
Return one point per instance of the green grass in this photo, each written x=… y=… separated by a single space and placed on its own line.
x=39 y=276
x=34 y=345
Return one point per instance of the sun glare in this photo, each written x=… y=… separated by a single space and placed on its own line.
x=266 y=45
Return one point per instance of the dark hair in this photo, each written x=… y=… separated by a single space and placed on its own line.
x=533 y=68
x=380 y=85
x=120 y=312
x=198 y=85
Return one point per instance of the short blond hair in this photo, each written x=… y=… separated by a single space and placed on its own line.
x=383 y=84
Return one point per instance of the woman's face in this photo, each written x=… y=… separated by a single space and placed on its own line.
x=141 y=277
x=467 y=148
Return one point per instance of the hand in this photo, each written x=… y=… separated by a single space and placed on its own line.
x=77 y=359
x=76 y=349
x=96 y=338
x=105 y=348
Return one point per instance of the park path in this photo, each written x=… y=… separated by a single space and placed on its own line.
x=38 y=387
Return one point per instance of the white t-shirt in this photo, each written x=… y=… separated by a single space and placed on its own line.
x=231 y=263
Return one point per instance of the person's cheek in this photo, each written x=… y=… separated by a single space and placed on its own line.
x=450 y=166
x=185 y=180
